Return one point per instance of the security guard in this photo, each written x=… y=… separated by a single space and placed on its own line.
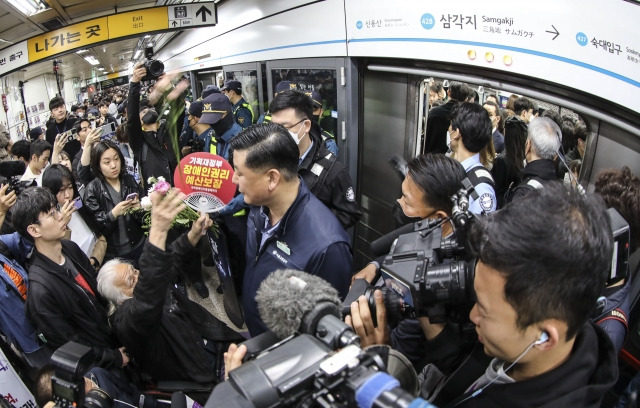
x=241 y=109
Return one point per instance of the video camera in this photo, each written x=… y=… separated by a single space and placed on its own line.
x=70 y=362
x=12 y=171
x=304 y=372
x=155 y=68
x=425 y=274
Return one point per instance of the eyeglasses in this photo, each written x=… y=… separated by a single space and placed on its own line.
x=55 y=213
x=295 y=124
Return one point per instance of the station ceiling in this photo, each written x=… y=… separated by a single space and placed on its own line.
x=113 y=57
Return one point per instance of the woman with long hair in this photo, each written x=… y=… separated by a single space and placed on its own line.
x=82 y=226
x=508 y=165
x=111 y=197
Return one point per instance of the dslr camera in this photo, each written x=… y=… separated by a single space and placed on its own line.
x=155 y=68
x=70 y=362
x=425 y=274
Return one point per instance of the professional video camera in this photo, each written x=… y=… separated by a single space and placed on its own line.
x=70 y=362
x=304 y=372
x=155 y=68
x=425 y=274
x=12 y=171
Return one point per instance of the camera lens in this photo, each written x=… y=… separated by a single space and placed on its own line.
x=155 y=68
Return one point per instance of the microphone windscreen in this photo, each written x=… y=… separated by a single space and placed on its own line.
x=12 y=168
x=286 y=295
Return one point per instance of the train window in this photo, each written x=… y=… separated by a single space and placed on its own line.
x=437 y=92
x=321 y=80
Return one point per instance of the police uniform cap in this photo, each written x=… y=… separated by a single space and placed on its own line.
x=232 y=85
x=214 y=107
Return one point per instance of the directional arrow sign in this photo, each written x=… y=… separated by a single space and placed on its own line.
x=555 y=31
x=203 y=10
x=192 y=14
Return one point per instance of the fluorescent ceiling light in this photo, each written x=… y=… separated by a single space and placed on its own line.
x=81 y=51
x=92 y=60
x=29 y=7
x=137 y=54
x=100 y=69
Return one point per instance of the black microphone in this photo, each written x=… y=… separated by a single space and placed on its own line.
x=12 y=168
x=291 y=302
x=382 y=245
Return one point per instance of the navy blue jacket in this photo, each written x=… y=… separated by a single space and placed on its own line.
x=308 y=238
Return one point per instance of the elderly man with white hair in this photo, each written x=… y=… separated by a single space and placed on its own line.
x=171 y=337
x=544 y=138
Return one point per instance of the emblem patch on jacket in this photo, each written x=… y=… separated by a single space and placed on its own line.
x=350 y=195
x=486 y=201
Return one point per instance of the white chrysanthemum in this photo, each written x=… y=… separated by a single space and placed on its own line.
x=145 y=203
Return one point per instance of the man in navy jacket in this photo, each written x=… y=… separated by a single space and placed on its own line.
x=288 y=227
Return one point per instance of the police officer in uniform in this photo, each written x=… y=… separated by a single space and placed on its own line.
x=217 y=112
x=241 y=109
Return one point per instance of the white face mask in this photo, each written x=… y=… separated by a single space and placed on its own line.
x=567 y=179
x=296 y=135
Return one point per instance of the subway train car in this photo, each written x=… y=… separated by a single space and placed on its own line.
x=373 y=62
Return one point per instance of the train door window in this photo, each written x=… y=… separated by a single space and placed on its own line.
x=204 y=79
x=317 y=74
x=253 y=80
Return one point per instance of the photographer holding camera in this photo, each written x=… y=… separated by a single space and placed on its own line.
x=542 y=263
x=154 y=142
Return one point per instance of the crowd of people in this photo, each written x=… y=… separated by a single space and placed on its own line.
x=75 y=251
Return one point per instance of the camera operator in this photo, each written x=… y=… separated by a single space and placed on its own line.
x=124 y=394
x=542 y=263
x=171 y=337
x=426 y=193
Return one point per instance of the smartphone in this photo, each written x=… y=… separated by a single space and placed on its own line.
x=70 y=135
x=132 y=196
x=107 y=130
x=77 y=202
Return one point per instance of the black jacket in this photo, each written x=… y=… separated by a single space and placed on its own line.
x=438 y=121
x=54 y=128
x=161 y=327
x=534 y=175
x=329 y=180
x=153 y=150
x=62 y=311
x=581 y=381
x=98 y=200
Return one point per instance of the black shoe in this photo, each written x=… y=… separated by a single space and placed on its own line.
x=202 y=290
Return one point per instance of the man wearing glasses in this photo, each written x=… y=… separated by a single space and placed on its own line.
x=325 y=177
x=63 y=302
